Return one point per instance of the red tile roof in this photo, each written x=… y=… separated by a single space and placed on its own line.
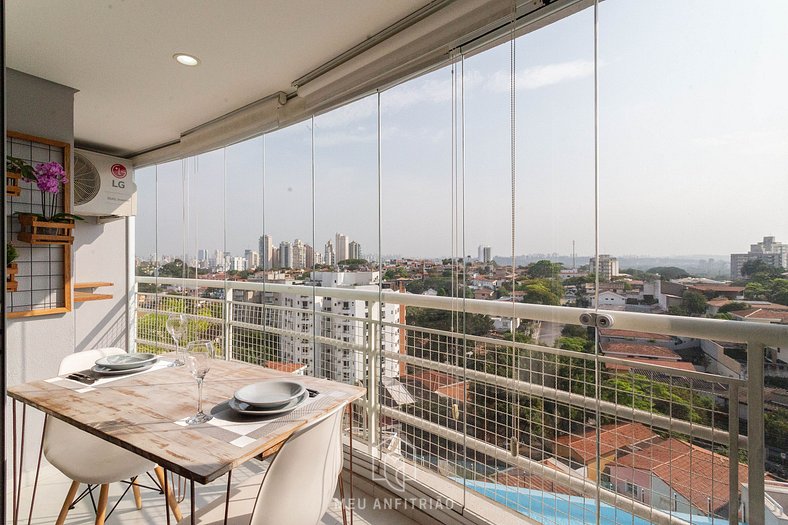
x=715 y=288
x=640 y=350
x=610 y=332
x=456 y=391
x=692 y=471
x=612 y=437
x=761 y=313
x=431 y=379
x=676 y=365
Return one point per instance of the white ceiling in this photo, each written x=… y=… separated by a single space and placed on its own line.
x=134 y=96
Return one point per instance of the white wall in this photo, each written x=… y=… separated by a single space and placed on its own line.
x=36 y=345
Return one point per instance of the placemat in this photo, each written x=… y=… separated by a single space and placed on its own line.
x=241 y=430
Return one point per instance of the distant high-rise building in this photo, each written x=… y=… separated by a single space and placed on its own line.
x=237 y=264
x=330 y=257
x=202 y=255
x=342 y=247
x=266 y=250
x=769 y=251
x=354 y=250
x=485 y=254
x=285 y=255
x=608 y=266
x=309 y=256
x=337 y=362
x=252 y=259
x=275 y=258
x=299 y=255
x=318 y=257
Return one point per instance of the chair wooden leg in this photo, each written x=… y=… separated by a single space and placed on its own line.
x=137 y=497
x=176 y=511
x=72 y=492
x=101 y=510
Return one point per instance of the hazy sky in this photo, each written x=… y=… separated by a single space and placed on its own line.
x=693 y=149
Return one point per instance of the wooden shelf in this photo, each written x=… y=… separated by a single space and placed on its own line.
x=81 y=297
x=12 y=188
x=45 y=232
x=97 y=284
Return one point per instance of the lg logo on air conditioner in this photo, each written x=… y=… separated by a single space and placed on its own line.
x=119 y=172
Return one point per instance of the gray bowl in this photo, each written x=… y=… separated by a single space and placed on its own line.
x=268 y=394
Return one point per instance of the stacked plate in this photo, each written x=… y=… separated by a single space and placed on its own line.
x=121 y=364
x=268 y=398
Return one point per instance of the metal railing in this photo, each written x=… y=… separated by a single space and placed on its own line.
x=555 y=433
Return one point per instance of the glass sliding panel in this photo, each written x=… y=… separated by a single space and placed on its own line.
x=289 y=220
x=146 y=255
x=205 y=234
x=419 y=250
x=693 y=185
x=244 y=218
x=345 y=252
x=554 y=230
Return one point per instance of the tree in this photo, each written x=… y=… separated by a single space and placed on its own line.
x=543 y=269
x=733 y=307
x=669 y=272
x=778 y=291
x=756 y=266
x=694 y=303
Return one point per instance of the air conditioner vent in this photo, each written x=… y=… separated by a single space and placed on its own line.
x=87 y=181
x=103 y=186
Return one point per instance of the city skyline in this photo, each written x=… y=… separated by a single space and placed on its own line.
x=674 y=154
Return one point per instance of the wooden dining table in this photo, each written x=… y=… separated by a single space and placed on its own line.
x=145 y=413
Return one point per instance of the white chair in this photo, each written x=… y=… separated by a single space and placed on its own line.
x=298 y=485
x=85 y=458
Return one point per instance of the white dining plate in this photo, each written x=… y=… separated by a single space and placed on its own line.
x=250 y=410
x=104 y=371
x=270 y=394
x=126 y=361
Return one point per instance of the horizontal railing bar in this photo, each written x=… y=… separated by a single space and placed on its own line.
x=569 y=398
x=579 y=484
x=573 y=354
x=701 y=328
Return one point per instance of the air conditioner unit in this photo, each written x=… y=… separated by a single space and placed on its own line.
x=103 y=186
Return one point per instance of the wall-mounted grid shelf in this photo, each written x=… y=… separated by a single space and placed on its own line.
x=43 y=269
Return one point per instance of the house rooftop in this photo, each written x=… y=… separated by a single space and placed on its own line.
x=627 y=334
x=640 y=350
x=611 y=438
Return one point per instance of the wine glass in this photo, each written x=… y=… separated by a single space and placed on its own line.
x=198 y=358
x=176 y=326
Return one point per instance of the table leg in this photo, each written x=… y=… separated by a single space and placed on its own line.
x=17 y=482
x=191 y=502
x=166 y=498
x=169 y=497
x=38 y=470
x=227 y=497
x=15 y=493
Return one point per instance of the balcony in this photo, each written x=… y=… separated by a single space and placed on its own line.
x=423 y=127
x=481 y=423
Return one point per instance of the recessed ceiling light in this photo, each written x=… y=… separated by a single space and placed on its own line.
x=186 y=60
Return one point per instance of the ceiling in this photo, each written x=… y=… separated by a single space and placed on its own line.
x=133 y=96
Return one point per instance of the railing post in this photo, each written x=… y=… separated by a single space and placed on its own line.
x=131 y=319
x=372 y=379
x=755 y=433
x=227 y=314
x=733 y=454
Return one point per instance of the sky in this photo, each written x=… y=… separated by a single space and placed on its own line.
x=693 y=150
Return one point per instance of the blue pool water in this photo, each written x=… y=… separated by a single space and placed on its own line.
x=559 y=509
